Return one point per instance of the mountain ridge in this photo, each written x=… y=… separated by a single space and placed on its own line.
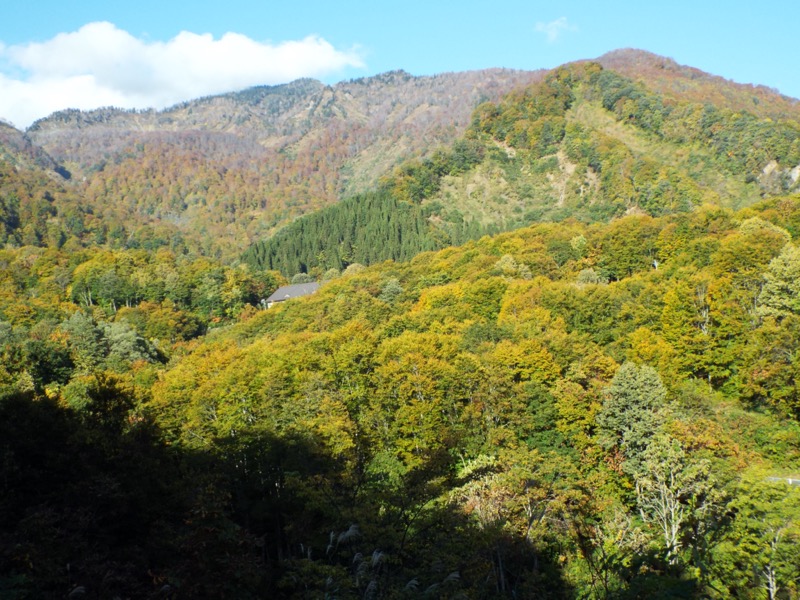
x=632 y=62
x=505 y=416
x=223 y=171
x=654 y=70
x=267 y=153
x=585 y=143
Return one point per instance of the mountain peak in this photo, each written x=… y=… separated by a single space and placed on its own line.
x=671 y=78
x=636 y=56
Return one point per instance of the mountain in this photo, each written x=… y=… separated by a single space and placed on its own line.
x=570 y=369
x=216 y=175
x=584 y=143
x=666 y=76
x=237 y=165
x=35 y=199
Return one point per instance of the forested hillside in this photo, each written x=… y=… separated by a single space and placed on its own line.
x=219 y=173
x=509 y=418
x=553 y=353
x=215 y=175
x=585 y=143
x=688 y=83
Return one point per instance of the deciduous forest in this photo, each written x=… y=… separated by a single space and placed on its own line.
x=553 y=355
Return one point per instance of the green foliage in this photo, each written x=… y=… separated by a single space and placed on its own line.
x=46 y=362
x=365 y=229
x=677 y=495
x=162 y=321
x=780 y=295
x=126 y=346
x=301 y=278
x=87 y=342
x=417 y=180
x=632 y=411
x=772 y=372
x=532 y=118
x=629 y=246
x=164 y=434
x=758 y=555
x=391 y=291
x=116 y=346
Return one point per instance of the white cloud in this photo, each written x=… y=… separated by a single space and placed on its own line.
x=554 y=29
x=101 y=65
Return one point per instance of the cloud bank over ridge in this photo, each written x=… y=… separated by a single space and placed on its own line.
x=102 y=65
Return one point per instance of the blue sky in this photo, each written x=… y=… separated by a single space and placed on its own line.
x=84 y=54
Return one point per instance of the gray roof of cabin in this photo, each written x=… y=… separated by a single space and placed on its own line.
x=288 y=292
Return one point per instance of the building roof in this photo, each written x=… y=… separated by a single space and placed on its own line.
x=288 y=292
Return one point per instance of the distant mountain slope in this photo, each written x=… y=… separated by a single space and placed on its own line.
x=33 y=192
x=234 y=166
x=214 y=175
x=18 y=150
x=585 y=143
